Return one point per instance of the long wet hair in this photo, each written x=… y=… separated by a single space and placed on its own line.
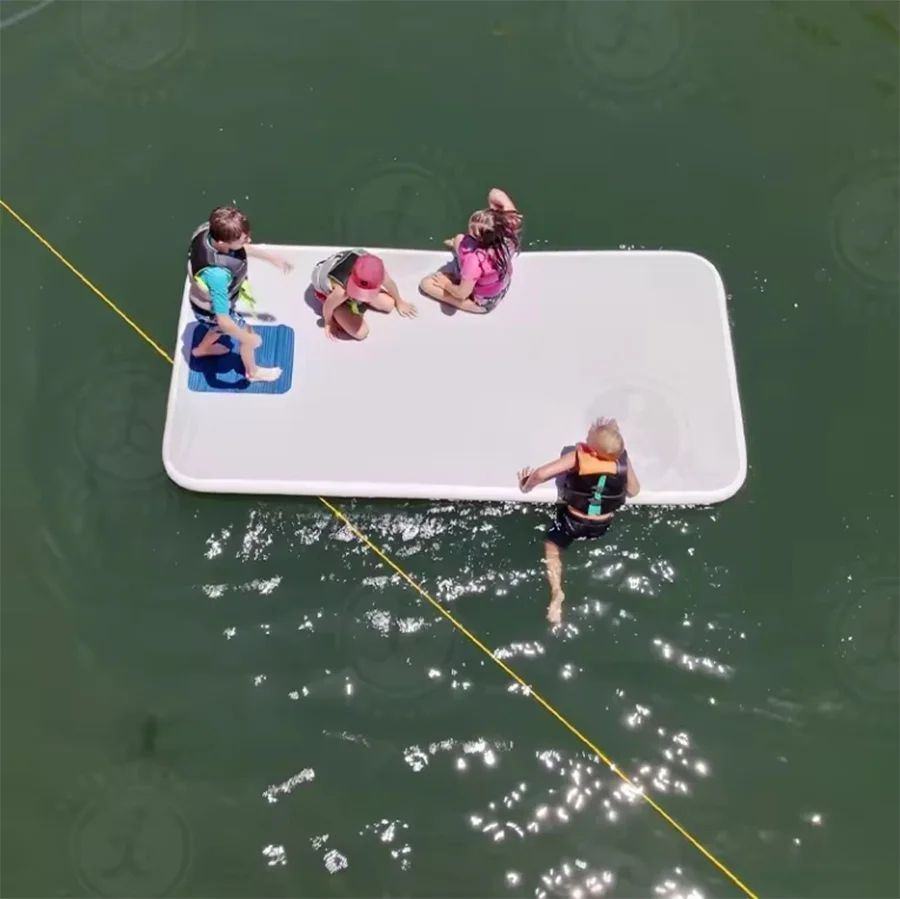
x=498 y=232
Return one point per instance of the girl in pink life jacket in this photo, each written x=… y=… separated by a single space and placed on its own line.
x=481 y=272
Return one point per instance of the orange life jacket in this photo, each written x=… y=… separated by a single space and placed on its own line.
x=597 y=485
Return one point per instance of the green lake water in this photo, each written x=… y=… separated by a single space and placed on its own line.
x=195 y=698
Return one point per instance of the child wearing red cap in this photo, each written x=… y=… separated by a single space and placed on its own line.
x=349 y=282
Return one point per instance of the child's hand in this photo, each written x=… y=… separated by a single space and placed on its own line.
x=330 y=330
x=271 y=258
x=407 y=310
x=524 y=475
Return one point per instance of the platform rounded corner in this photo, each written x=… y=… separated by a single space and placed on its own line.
x=722 y=494
x=177 y=477
x=707 y=263
x=737 y=483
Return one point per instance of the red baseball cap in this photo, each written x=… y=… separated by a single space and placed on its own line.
x=366 y=278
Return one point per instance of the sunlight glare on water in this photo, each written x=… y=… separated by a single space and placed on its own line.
x=537 y=792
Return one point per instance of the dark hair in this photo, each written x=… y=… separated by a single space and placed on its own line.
x=499 y=235
x=228 y=223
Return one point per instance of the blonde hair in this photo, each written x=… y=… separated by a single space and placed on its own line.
x=605 y=439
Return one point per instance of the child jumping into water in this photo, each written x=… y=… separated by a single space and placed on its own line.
x=482 y=270
x=349 y=282
x=217 y=262
x=598 y=479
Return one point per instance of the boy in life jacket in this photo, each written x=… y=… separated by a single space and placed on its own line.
x=598 y=479
x=349 y=282
x=217 y=265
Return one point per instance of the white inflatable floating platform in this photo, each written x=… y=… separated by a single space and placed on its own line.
x=450 y=406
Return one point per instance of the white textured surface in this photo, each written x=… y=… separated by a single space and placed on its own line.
x=449 y=407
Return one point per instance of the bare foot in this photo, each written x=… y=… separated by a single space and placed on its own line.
x=265 y=374
x=554 y=610
x=217 y=349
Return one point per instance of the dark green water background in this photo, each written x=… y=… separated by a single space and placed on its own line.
x=195 y=697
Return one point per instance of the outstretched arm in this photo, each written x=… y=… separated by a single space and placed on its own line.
x=407 y=310
x=529 y=478
x=389 y=286
x=275 y=259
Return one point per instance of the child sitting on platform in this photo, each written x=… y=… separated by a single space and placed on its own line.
x=482 y=270
x=349 y=282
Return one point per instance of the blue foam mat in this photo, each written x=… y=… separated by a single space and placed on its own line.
x=225 y=374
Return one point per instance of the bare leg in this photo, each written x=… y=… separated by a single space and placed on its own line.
x=352 y=324
x=209 y=345
x=254 y=372
x=435 y=286
x=553 y=561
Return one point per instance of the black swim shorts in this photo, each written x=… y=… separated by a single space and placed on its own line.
x=569 y=527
